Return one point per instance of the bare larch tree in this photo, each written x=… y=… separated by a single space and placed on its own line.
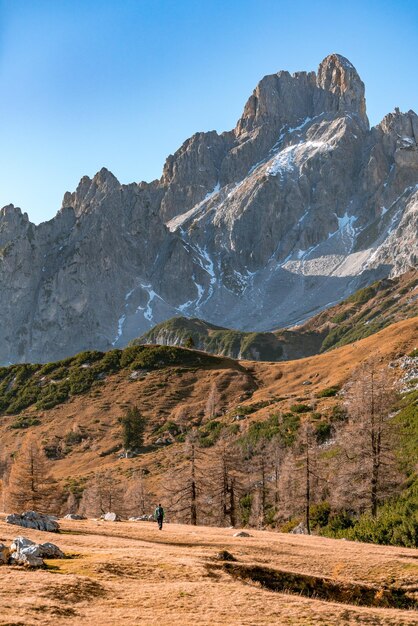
x=369 y=438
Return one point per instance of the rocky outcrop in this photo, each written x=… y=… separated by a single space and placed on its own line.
x=342 y=87
x=111 y=517
x=255 y=228
x=31 y=519
x=25 y=552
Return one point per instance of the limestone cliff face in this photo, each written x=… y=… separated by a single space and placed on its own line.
x=255 y=228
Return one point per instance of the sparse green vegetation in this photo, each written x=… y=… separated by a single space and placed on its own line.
x=73 y=438
x=338 y=413
x=46 y=386
x=323 y=431
x=363 y=295
x=349 y=333
x=328 y=392
x=407 y=422
x=320 y=513
x=341 y=317
x=245 y=505
x=248 y=409
x=216 y=340
x=285 y=426
x=300 y=408
x=396 y=522
x=210 y=433
x=288 y=526
x=25 y=422
x=170 y=427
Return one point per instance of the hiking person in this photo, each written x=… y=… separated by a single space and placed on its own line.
x=159 y=516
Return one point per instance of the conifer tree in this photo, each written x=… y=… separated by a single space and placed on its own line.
x=223 y=484
x=185 y=486
x=30 y=485
x=370 y=437
x=133 y=429
x=212 y=402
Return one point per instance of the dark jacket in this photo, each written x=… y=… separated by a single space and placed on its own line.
x=159 y=512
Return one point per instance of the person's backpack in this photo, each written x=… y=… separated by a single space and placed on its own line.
x=159 y=511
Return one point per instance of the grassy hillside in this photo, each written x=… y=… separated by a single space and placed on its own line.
x=252 y=404
x=368 y=311
x=46 y=386
x=216 y=340
x=364 y=313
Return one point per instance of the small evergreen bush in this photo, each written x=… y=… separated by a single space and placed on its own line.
x=328 y=392
x=300 y=408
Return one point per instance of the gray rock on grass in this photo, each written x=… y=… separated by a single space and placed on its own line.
x=31 y=519
x=24 y=551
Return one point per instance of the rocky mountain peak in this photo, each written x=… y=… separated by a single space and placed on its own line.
x=285 y=98
x=253 y=228
x=13 y=224
x=10 y=209
x=339 y=77
x=12 y=214
x=402 y=124
x=89 y=191
x=278 y=99
x=105 y=178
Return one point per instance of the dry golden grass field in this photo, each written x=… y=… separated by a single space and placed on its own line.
x=130 y=573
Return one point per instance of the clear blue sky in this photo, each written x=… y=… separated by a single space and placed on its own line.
x=122 y=83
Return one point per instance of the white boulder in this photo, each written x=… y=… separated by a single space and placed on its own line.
x=25 y=552
x=111 y=517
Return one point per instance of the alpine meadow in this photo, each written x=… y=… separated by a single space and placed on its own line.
x=209 y=381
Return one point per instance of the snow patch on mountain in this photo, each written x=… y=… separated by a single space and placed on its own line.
x=294 y=156
x=179 y=220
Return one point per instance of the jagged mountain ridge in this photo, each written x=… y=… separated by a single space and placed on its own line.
x=255 y=228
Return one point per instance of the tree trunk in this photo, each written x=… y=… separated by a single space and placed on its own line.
x=308 y=490
x=232 y=503
x=193 y=491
